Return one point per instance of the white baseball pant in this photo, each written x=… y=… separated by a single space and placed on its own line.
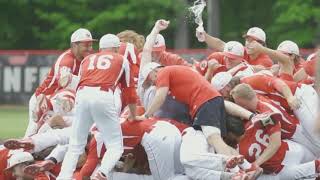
x=51 y=138
x=294 y=163
x=307 y=115
x=161 y=146
x=198 y=160
x=126 y=176
x=58 y=152
x=32 y=125
x=94 y=106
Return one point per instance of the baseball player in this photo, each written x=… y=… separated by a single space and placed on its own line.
x=308 y=69
x=96 y=102
x=263 y=146
x=171 y=108
x=291 y=127
x=279 y=91
x=259 y=61
x=66 y=65
x=287 y=54
x=16 y=164
x=161 y=56
x=4 y=157
x=39 y=142
x=160 y=139
x=201 y=162
x=228 y=60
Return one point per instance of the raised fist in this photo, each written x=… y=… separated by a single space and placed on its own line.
x=162 y=24
x=200 y=34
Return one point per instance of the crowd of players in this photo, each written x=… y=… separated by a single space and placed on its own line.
x=132 y=110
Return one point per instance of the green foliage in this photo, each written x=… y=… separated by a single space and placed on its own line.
x=48 y=24
x=297 y=20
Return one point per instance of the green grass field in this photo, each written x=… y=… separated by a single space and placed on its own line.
x=14 y=120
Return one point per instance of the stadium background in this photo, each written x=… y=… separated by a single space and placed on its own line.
x=34 y=32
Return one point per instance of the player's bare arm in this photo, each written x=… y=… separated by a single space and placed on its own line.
x=272 y=148
x=275 y=55
x=237 y=111
x=212 y=42
x=147 y=48
x=156 y=103
x=284 y=89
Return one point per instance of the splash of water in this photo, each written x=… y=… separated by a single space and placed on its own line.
x=197 y=9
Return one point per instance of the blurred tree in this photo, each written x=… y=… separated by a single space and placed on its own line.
x=39 y=24
x=297 y=20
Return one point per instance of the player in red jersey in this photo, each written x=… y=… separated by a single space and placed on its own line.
x=280 y=159
x=308 y=68
x=292 y=128
x=258 y=60
x=276 y=89
x=96 y=102
x=4 y=158
x=228 y=60
x=63 y=72
x=288 y=56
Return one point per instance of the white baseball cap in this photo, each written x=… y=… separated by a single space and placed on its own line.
x=81 y=35
x=221 y=80
x=289 y=47
x=109 y=41
x=146 y=69
x=311 y=56
x=19 y=157
x=256 y=33
x=233 y=50
x=159 y=44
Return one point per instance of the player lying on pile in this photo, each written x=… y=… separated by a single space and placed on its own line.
x=299 y=127
x=269 y=147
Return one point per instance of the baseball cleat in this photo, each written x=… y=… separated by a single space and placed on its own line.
x=26 y=144
x=99 y=176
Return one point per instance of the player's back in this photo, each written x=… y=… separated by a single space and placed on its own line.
x=101 y=69
x=187 y=86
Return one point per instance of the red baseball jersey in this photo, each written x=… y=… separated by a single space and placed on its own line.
x=50 y=84
x=267 y=86
x=4 y=156
x=288 y=123
x=106 y=70
x=262 y=59
x=131 y=53
x=255 y=141
x=310 y=67
x=202 y=66
x=132 y=132
x=169 y=59
x=177 y=78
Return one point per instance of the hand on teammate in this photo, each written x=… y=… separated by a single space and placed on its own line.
x=293 y=102
x=161 y=24
x=141 y=118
